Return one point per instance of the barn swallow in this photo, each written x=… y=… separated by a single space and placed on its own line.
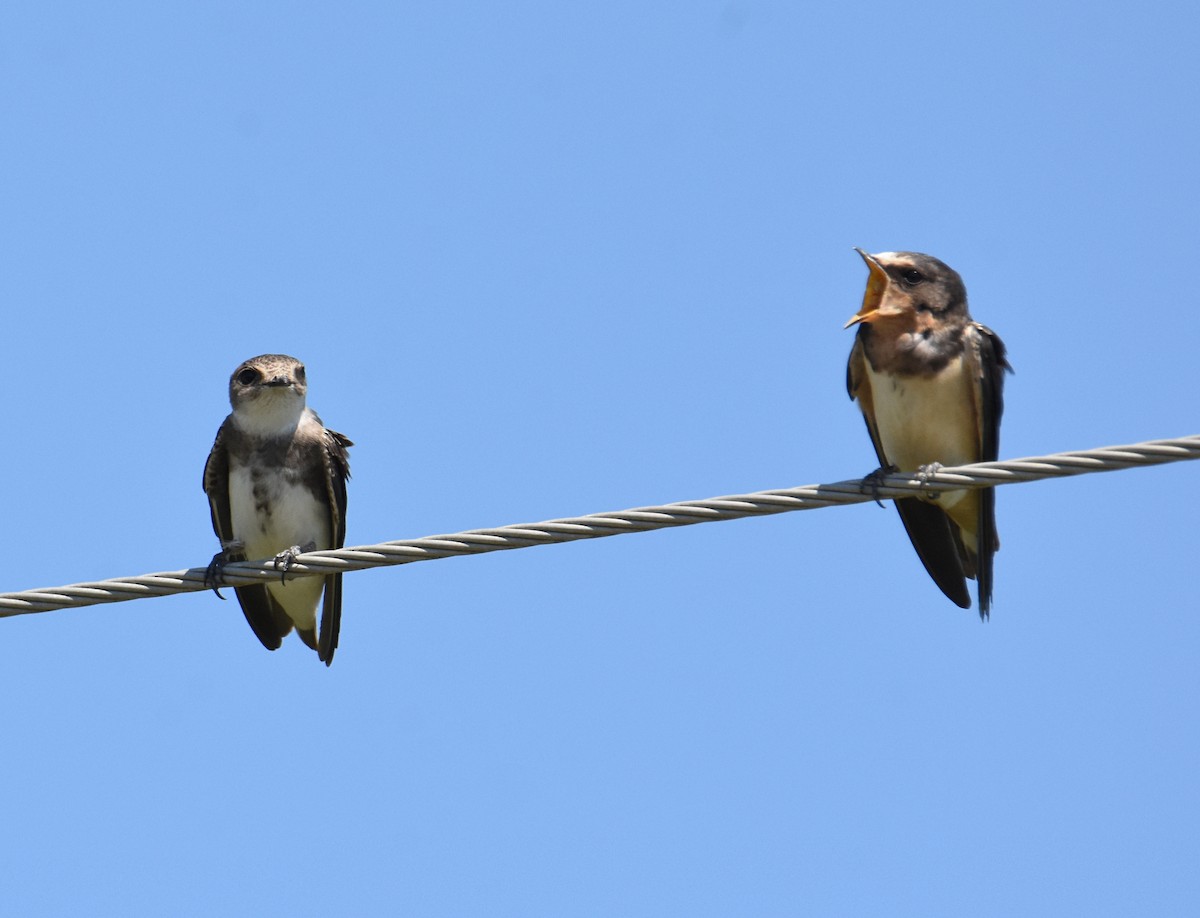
x=276 y=486
x=930 y=383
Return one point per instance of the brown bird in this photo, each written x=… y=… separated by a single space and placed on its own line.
x=276 y=486
x=930 y=382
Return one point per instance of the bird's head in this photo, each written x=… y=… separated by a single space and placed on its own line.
x=268 y=392
x=910 y=285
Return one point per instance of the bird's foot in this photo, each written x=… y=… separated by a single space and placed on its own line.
x=286 y=558
x=870 y=484
x=927 y=471
x=214 y=574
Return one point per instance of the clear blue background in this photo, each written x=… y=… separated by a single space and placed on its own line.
x=545 y=259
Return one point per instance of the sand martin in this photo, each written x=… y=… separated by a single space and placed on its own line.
x=930 y=382
x=276 y=486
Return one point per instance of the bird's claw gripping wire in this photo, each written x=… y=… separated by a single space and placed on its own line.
x=927 y=471
x=871 y=483
x=286 y=558
x=214 y=574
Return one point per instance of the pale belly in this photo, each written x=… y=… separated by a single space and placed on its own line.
x=922 y=421
x=292 y=517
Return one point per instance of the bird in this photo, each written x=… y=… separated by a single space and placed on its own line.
x=276 y=486
x=930 y=383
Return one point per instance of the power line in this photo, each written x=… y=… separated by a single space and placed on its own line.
x=598 y=525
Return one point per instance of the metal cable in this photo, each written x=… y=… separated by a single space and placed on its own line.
x=640 y=519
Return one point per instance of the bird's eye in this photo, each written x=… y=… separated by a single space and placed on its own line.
x=300 y=372
x=912 y=276
x=247 y=376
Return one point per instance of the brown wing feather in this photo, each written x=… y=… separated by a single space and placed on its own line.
x=216 y=486
x=993 y=364
x=858 y=386
x=337 y=470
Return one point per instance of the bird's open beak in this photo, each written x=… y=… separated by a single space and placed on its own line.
x=877 y=284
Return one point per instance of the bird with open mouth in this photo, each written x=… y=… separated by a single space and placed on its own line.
x=930 y=383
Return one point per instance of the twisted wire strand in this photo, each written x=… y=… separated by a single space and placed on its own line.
x=599 y=525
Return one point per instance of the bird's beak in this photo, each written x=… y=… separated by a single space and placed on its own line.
x=877 y=284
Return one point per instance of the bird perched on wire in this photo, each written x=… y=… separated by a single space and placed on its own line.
x=930 y=383
x=276 y=486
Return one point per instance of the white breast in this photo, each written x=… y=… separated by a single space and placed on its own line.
x=927 y=420
x=295 y=518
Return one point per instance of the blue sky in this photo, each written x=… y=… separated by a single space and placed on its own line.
x=549 y=259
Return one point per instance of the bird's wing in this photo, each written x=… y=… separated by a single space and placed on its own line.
x=989 y=392
x=216 y=486
x=337 y=470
